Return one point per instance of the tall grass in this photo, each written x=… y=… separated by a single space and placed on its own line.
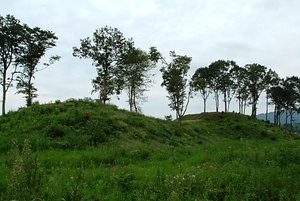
x=222 y=170
x=81 y=150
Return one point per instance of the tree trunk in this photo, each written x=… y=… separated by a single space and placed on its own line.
x=254 y=103
x=286 y=117
x=134 y=102
x=267 y=106
x=291 y=120
x=278 y=117
x=130 y=99
x=3 y=99
x=29 y=98
x=4 y=91
x=253 y=113
x=225 y=101
x=275 y=116
x=217 y=101
x=228 y=104
x=244 y=107
x=240 y=105
x=103 y=95
x=204 y=100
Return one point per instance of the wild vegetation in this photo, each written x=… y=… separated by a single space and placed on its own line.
x=90 y=150
x=121 y=67
x=84 y=150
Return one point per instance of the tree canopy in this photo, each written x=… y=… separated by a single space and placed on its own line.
x=11 y=41
x=37 y=41
x=105 y=49
x=175 y=80
x=134 y=71
x=200 y=82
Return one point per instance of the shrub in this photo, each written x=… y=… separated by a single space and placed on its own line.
x=55 y=130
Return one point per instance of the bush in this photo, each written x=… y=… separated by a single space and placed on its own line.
x=55 y=131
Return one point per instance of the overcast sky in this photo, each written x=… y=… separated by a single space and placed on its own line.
x=246 y=31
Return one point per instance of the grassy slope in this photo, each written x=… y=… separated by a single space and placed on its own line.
x=90 y=151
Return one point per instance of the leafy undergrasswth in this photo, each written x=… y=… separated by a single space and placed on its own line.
x=25 y=176
x=83 y=150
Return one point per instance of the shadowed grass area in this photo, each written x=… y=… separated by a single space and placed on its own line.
x=83 y=150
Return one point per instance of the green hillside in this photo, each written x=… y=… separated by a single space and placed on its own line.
x=83 y=150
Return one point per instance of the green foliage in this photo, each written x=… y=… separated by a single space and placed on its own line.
x=97 y=152
x=105 y=49
x=200 y=82
x=134 y=68
x=37 y=41
x=175 y=80
x=286 y=96
x=257 y=82
x=12 y=38
x=220 y=79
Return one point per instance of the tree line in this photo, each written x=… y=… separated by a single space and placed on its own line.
x=246 y=85
x=121 y=66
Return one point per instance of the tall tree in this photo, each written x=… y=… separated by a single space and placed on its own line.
x=256 y=74
x=175 y=80
x=214 y=75
x=135 y=68
x=277 y=95
x=36 y=43
x=227 y=83
x=105 y=49
x=272 y=79
x=292 y=95
x=241 y=83
x=200 y=82
x=11 y=39
x=221 y=81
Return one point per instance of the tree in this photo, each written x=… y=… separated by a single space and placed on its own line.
x=135 y=66
x=175 y=80
x=36 y=43
x=291 y=86
x=272 y=79
x=286 y=97
x=214 y=74
x=227 y=84
x=105 y=49
x=11 y=39
x=277 y=95
x=200 y=82
x=256 y=74
x=241 y=83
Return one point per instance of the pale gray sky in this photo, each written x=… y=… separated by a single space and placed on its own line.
x=246 y=31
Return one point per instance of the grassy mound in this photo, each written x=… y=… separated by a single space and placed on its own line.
x=237 y=126
x=82 y=150
x=81 y=123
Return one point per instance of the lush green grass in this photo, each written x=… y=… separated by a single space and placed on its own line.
x=81 y=150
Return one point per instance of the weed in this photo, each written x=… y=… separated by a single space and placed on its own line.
x=76 y=190
x=25 y=178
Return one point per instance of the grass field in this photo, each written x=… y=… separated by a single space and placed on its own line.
x=81 y=150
